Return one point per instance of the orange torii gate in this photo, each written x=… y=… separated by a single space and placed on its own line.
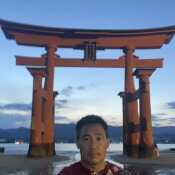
x=137 y=135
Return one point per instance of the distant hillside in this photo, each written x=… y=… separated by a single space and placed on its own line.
x=66 y=133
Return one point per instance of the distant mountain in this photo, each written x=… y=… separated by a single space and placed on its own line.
x=66 y=133
x=10 y=135
x=164 y=134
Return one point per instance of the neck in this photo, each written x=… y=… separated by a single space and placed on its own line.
x=94 y=167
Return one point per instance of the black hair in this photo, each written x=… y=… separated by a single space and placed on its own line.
x=90 y=119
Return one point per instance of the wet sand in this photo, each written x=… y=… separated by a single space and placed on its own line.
x=164 y=165
x=167 y=158
x=20 y=164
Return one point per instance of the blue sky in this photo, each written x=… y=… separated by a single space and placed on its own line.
x=85 y=91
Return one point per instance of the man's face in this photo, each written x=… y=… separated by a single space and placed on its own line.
x=93 y=144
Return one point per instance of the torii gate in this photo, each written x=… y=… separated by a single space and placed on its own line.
x=137 y=135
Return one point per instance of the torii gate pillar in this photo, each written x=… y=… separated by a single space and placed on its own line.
x=125 y=123
x=36 y=147
x=39 y=125
x=48 y=104
x=55 y=93
x=131 y=107
x=147 y=149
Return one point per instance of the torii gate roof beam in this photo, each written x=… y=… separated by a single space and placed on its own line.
x=75 y=38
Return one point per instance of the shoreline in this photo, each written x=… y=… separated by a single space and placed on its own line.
x=16 y=164
x=22 y=162
x=167 y=158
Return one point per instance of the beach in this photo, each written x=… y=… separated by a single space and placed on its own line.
x=167 y=158
x=21 y=165
x=15 y=162
x=164 y=165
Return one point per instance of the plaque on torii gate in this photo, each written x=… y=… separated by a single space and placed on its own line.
x=90 y=41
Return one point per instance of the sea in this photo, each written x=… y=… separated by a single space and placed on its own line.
x=70 y=149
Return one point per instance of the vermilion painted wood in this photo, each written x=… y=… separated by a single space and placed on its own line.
x=99 y=63
x=146 y=140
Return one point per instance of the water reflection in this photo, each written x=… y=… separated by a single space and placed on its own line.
x=42 y=170
x=52 y=168
x=147 y=170
x=138 y=170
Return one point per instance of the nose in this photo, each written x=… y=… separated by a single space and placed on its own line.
x=93 y=143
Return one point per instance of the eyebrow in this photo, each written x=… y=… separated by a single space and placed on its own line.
x=98 y=134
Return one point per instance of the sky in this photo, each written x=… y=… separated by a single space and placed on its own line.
x=85 y=91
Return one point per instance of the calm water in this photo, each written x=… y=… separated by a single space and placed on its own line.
x=70 y=149
x=11 y=148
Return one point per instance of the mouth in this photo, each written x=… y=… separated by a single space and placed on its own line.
x=94 y=154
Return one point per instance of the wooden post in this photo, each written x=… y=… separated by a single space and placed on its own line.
x=125 y=123
x=147 y=148
x=48 y=138
x=36 y=148
x=131 y=106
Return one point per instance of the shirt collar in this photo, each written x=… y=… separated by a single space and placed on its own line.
x=88 y=171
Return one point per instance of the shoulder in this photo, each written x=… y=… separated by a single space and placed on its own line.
x=69 y=170
x=114 y=168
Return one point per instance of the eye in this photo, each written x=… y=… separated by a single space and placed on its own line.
x=98 y=138
x=85 y=138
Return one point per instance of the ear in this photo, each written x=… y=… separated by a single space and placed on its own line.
x=108 y=142
x=78 y=144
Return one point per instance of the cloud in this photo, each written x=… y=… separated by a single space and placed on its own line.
x=165 y=116
x=61 y=103
x=16 y=106
x=81 y=88
x=163 y=119
x=67 y=91
x=62 y=119
x=13 y=115
x=171 y=105
x=68 y=110
x=14 y=121
x=114 y=120
x=161 y=114
x=20 y=109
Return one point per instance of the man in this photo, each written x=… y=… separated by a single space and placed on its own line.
x=92 y=141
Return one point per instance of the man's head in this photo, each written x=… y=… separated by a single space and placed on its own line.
x=92 y=139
